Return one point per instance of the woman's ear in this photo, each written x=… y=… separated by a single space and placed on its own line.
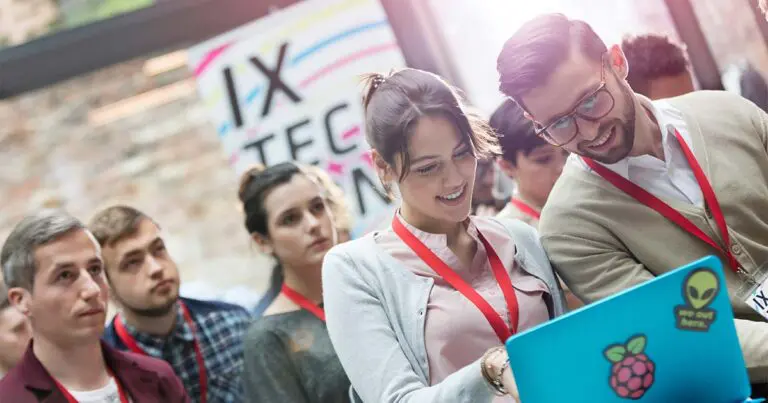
x=264 y=244
x=383 y=169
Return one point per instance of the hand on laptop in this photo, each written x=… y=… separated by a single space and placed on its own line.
x=508 y=379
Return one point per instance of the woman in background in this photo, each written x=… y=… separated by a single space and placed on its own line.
x=419 y=312
x=334 y=197
x=288 y=355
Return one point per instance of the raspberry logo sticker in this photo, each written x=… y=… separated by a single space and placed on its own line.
x=632 y=373
x=699 y=290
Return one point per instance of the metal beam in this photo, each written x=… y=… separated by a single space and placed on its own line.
x=169 y=24
x=762 y=24
x=419 y=37
x=688 y=27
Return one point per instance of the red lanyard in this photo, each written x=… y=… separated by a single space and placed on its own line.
x=71 y=399
x=525 y=208
x=130 y=342
x=303 y=302
x=670 y=213
x=458 y=283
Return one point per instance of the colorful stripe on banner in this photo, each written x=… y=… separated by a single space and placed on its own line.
x=347 y=60
x=294 y=29
x=318 y=46
x=210 y=57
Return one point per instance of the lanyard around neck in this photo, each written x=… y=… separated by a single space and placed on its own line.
x=131 y=343
x=503 y=332
x=646 y=198
x=303 y=302
x=71 y=399
x=525 y=208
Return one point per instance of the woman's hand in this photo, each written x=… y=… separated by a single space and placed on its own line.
x=496 y=363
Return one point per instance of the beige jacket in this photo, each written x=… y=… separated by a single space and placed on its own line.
x=602 y=241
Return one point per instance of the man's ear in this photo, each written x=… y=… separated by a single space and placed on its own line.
x=507 y=167
x=618 y=61
x=20 y=299
x=264 y=244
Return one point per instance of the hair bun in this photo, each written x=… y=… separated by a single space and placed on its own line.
x=246 y=178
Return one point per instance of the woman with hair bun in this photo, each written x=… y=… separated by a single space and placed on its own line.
x=288 y=354
x=419 y=312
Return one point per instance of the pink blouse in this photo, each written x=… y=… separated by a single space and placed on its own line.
x=456 y=332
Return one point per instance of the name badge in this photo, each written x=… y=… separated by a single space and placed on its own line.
x=758 y=299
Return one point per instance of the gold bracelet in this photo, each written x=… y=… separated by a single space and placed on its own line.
x=495 y=383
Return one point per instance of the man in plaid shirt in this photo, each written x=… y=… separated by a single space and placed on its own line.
x=201 y=340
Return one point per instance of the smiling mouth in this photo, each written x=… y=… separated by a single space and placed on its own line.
x=604 y=138
x=454 y=195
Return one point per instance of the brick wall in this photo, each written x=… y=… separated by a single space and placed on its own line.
x=166 y=161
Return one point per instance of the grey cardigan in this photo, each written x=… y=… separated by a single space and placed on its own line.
x=375 y=311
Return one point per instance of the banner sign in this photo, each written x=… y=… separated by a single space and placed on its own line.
x=287 y=87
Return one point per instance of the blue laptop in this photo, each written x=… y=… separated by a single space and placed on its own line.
x=671 y=339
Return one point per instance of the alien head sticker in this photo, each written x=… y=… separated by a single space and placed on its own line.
x=632 y=372
x=699 y=290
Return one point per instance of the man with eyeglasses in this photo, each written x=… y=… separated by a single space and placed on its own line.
x=649 y=186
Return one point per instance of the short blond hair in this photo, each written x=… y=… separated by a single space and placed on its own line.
x=334 y=195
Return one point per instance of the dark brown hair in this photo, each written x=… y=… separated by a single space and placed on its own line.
x=533 y=53
x=393 y=104
x=515 y=131
x=650 y=57
x=255 y=185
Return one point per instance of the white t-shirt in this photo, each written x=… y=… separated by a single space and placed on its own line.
x=107 y=394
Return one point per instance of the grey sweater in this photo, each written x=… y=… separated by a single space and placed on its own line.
x=375 y=311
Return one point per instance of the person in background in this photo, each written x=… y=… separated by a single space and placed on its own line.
x=483 y=198
x=201 y=340
x=658 y=67
x=336 y=200
x=15 y=333
x=54 y=272
x=288 y=355
x=400 y=301
x=744 y=79
x=337 y=203
x=650 y=185
x=534 y=164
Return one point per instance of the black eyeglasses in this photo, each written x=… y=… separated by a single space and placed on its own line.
x=591 y=108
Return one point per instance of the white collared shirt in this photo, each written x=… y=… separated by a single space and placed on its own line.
x=672 y=178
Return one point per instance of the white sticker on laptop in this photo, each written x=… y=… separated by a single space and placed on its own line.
x=758 y=299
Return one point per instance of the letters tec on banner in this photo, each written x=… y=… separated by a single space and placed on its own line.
x=287 y=87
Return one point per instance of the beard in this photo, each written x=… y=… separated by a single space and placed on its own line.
x=625 y=125
x=149 y=312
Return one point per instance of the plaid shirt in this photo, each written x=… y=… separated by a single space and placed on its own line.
x=220 y=331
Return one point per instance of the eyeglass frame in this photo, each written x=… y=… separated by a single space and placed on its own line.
x=543 y=132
